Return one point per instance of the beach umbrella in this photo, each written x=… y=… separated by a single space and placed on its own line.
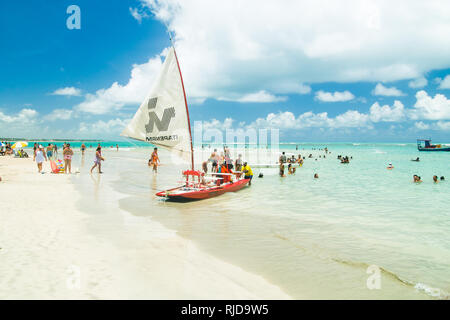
x=19 y=144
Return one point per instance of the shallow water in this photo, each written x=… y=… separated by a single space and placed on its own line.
x=315 y=238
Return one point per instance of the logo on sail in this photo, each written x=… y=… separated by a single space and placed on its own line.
x=161 y=124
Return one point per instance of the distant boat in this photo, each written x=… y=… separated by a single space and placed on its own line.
x=425 y=145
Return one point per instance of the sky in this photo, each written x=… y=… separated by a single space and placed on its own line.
x=325 y=70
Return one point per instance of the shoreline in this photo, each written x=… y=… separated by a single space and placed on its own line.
x=50 y=249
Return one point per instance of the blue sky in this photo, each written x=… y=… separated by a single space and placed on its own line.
x=324 y=77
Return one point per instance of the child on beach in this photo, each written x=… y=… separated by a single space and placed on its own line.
x=67 y=153
x=39 y=157
x=98 y=159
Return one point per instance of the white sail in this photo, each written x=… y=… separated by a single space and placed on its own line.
x=162 y=119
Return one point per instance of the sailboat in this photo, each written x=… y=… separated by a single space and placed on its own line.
x=163 y=120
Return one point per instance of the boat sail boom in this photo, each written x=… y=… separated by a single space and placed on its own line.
x=163 y=117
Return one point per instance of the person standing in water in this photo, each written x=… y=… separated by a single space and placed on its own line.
x=67 y=153
x=83 y=149
x=39 y=157
x=154 y=159
x=117 y=147
x=248 y=173
x=98 y=159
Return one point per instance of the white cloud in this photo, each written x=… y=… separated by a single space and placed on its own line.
x=443 y=125
x=216 y=124
x=59 y=114
x=429 y=108
x=23 y=117
x=421 y=125
x=386 y=113
x=445 y=83
x=260 y=96
x=111 y=127
x=243 y=46
x=334 y=97
x=418 y=83
x=115 y=97
x=138 y=14
x=287 y=120
x=67 y=91
x=381 y=90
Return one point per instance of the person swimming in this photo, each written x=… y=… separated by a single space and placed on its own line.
x=390 y=166
x=442 y=178
x=416 y=160
x=435 y=179
x=316 y=176
x=416 y=178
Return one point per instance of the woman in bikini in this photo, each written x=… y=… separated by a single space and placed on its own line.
x=154 y=159
x=67 y=153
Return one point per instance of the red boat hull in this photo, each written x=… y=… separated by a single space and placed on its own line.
x=174 y=194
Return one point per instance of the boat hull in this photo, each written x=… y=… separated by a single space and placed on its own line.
x=176 y=194
x=434 y=149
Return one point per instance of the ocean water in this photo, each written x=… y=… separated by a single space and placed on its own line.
x=315 y=238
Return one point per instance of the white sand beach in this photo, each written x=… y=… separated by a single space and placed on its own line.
x=50 y=249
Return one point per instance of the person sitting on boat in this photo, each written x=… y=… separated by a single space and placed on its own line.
x=205 y=166
x=238 y=163
x=248 y=173
x=227 y=170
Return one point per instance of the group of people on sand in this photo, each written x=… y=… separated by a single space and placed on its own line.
x=6 y=149
x=41 y=154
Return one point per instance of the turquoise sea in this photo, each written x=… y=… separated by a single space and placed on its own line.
x=315 y=238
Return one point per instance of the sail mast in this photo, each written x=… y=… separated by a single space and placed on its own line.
x=187 y=109
x=184 y=93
